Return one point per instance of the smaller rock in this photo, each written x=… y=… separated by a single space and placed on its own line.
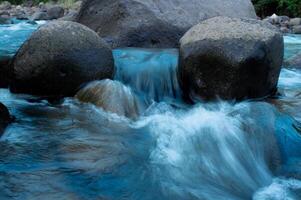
x=77 y=5
x=39 y=15
x=55 y=12
x=284 y=29
x=5 y=117
x=294 y=22
x=5 y=5
x=296 y=29
x=4 y=71
x=70 y=16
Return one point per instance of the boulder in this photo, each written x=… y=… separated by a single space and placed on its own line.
x=230 y=58
x=5 y=117
x=5 y=5
x=154 y=23
x=55 y=12
x=58 y=58
x=70 y=16
x=296 y=29
x=39 y=15
x=111 y=96
x=294 y=22
x=284 y=29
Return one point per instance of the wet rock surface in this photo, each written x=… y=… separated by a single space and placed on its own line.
x=230 y=58
x=58 y=58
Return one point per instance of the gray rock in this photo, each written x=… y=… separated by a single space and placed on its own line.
x=230 y=58
x=58 y=58
x=5 y=117
x=5 y=5
x=39 y=15
x=55 y=12
x=284 y=29
x=154 y=23
x=70 y=16
x=295 y=22
x=296 y=29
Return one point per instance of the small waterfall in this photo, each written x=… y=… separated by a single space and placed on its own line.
x=149 y=72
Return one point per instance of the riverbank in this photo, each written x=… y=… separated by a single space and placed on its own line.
x=285 y=24
x=42 y=11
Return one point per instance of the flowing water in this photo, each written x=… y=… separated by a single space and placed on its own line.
x=218 y=150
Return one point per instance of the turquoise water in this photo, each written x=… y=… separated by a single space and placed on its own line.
x=13 y=36
x=218 y=150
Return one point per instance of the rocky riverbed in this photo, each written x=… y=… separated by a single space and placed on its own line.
x=42 y=11
x=285 y=24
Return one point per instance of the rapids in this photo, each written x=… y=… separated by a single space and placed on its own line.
x=218 y=150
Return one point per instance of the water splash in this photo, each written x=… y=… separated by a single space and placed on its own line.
x=14 y=35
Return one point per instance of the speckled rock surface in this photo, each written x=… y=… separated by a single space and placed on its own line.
x=58 y=58
x=230 y=58
x=154 y=23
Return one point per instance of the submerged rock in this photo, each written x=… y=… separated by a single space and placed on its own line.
x=58 y=58
x=230 y=58
x=5 y=117
x=112 y=96
x=4 y=71
x=154 y=23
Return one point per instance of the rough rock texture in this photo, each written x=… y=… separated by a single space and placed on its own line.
x=5 y=117
x=58 y=58
x=154 y=23
x=297 y=29
x=230 y=58
x=4 y=71
x=294 y=22
x=39 y=15
x=112 y=96
x=70 y=16
x=55 y=12
x=48 y=13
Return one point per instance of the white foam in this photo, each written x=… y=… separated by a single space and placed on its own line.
x=280 y=189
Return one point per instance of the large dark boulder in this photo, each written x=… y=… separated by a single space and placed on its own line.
x=230 y=58
x=5 y=117
x=58 y=58
x=154 y=23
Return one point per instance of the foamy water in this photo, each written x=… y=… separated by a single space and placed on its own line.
x=218 y=150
